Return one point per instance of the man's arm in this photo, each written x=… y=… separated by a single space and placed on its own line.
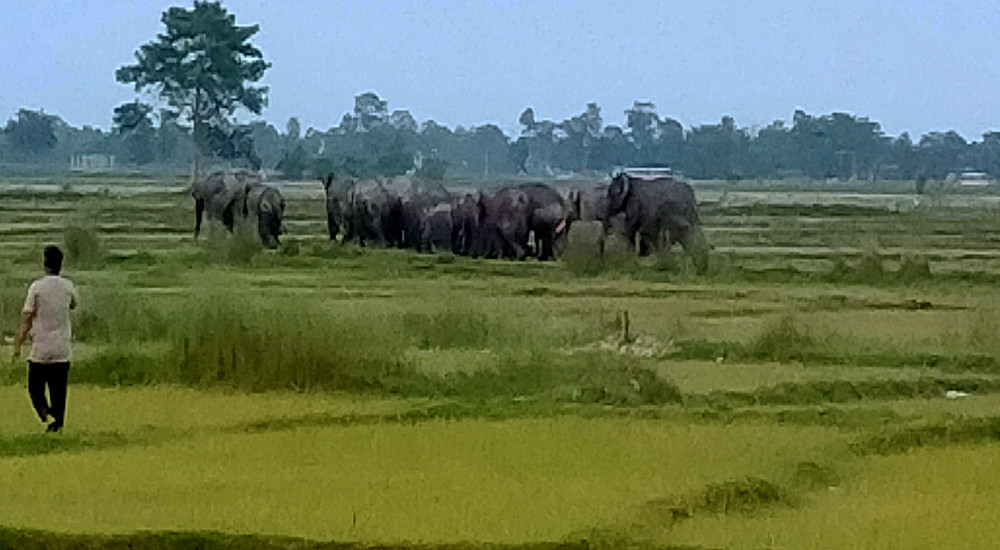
x=27 y=317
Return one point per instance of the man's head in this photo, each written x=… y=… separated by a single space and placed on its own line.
x=53 y=260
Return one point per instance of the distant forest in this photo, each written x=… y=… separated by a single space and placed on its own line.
x=374 y=140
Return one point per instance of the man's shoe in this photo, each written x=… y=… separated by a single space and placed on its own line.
x=53 y=427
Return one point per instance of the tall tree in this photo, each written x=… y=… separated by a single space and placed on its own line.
x=293 y=129
x=135 y=130
x=202 y=66
x=32 y=134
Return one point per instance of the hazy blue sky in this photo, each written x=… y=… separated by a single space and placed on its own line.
x=914 y=66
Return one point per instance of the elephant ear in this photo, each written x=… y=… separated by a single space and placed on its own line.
x=617 y=192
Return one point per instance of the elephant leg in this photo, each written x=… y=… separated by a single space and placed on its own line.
x=456 y=245
x=512 y=249
x=630 y=232
x=269 y=228
x=545 y=247
x=229 y=217
x=199 y=210
x=331 y=226
x=648 y=242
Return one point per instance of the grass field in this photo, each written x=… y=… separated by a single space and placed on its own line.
x=797 y=396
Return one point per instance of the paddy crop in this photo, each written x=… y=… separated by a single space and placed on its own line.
x=838 y=354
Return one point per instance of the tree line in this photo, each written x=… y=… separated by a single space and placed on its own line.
x=372 y=140
x=203 y=68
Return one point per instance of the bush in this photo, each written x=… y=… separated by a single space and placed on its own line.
x=914 y=268
x=870 y=268
x=782 y=341
x=82 y=243
x=589 y=252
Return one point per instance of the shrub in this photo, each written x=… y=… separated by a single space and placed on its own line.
x=589 y=252
x=451 y=328
x=238 y=247
x=869 y=268
x=83 y=246
x=782 y=341
x=914 y=268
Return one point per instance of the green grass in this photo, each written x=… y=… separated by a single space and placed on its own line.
x=337 y=393
x=438 y=481
x=935 y=498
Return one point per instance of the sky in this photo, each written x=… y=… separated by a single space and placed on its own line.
x=916 y=66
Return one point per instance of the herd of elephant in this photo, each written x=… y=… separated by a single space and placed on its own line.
x=649 y=211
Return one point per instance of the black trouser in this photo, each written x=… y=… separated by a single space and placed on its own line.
x=55 y=376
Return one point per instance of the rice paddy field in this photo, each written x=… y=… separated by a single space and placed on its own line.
x=832 y=382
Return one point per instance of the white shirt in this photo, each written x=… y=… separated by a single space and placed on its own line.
x=49 y=301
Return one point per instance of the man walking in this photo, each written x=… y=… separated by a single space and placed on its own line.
x=45 y=317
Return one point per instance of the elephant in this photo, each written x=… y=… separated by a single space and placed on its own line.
x=338 y=207
x=374 y=213
x=417 y=201
x=465 y=221
x=229 y=196
x=265 y=204
x=549 y=217
x=436 y=227
x=218 y=195
x=504 y=225
x=656 y=205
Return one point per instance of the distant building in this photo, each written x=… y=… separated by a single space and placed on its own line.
x=91 y=163
x=974 y=179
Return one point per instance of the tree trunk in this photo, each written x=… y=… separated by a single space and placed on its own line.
x=194 y=136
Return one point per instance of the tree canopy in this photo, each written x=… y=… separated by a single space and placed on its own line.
x=203 y=65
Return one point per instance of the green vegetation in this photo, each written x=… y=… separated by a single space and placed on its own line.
x=836 y=360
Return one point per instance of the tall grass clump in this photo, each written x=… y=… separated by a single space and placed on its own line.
x=914 y=268
x=82 y=244
x=109 y=315
x=11 y=301
x=981 y=333
x=453 y=328
x=236 y=248
x=782 y=340
x=870 y=268
x=589 y=252
x=262 y=345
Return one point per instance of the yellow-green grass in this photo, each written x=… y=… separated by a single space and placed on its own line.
x=930 y=498
x=178 y=409
x=511 y=481
x=706 y=376
x=165 y=457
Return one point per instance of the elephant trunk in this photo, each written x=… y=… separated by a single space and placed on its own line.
x=696 y=245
